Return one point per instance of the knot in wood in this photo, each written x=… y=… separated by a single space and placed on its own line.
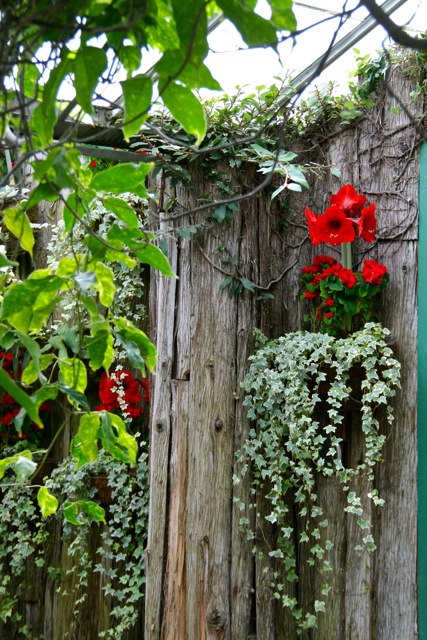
x=219 y=425
x=216 y=620
x=159 y=427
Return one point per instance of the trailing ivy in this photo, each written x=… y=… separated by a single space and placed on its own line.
x=288 y=448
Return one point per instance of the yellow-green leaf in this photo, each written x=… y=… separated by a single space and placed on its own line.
x=105 y=284
x=19 y=225
x=73 y=373
x=47 y=502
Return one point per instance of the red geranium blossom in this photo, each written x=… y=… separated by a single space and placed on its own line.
x=329 y=302
x=329 y=315
x=320 y=261
x=373 y=272
x=310 y=295
x=348 y=200
x=367 y=224
x=334 y=227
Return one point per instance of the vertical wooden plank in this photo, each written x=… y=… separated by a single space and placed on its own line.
x=175 y=578
x=159 y=452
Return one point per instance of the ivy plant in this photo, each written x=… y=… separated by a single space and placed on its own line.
x=288 y=447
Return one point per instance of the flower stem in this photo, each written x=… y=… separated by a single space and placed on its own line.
x=346 y=255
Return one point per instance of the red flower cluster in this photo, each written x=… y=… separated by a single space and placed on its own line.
x=121 y=392
x=338 y=223
x=339 y=295
x=373 y=272
x=9 y=408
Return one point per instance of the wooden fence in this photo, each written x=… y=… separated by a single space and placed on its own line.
x=203 y=582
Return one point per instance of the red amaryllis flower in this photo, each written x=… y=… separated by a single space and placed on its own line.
x=367 y=224
x=348 y=200
x=373 y=272
x=334 y=227
x=312 y=220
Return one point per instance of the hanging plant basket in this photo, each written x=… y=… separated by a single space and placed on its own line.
x=289 y=380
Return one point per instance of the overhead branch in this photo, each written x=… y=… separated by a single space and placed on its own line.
x=397 y=33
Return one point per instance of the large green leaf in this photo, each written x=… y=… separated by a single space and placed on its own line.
x=72 y=511
x=20 y=396
x=27 y=305
x=122 y=210
x=255 y=30
x=174 y=64
x=282 y=14
x=44 y=115
x=89 y=64
x=33 y=368
x=47 y=502
x=140 y=350
x=123 y=178
x=191 y=23
x=101 y=350
x=137 y=93
x=150 y=254
x=116 y=440
x=18 y=224
x=87 y=438
x=105 y=284
x=185 y=108
x=73 y=373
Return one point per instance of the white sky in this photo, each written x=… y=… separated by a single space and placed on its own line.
x=232 y=67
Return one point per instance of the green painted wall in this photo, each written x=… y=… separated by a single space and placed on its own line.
x=422 y=399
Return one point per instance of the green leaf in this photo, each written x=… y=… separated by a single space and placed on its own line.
x=75 y=396
x=89 y=64
x=47 y=502
x=105 y=284
x=282 y=14
x=20 y=396
x=93 y=510
x=5 y=262
x=137 y=93
x=87 y=438
x=255 y=31
x=116 y=440
x=123 y=178
x=24 y=467
x=73 y=374
x=73 y=510
x=150 y=254
x=130 y=57
x=19 y=225
x=191 y=25
x=44 y=115
x=31 y=371
x=140 y=350
x=122 y=210
x=247 y=284
x=27 y=305
x=101 y=350
x=71 y=513
x=174 y=64
x=186 y=109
